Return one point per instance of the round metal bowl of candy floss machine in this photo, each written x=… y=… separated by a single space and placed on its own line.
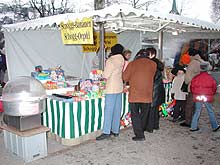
x=24 y=99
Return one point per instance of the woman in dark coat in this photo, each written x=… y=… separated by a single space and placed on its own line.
x=158 y=93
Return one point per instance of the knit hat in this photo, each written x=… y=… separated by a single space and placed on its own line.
x=177 y=68
x=182 y=68
x=204 y=66
x=185 y=59
x=193 y=52
x=117 y=49
x=142 y=53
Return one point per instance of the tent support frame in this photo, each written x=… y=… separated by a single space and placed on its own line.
x=101 y=52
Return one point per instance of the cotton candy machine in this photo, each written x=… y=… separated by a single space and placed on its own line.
x=24 y=99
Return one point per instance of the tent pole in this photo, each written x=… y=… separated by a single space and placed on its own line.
x=102 y=46
x=82 y=67
x=160 y=45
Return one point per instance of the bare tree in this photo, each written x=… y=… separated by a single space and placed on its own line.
x=47 y=7
x=2 y=40
x=16 y=11
x=99 y=4
x=215 y=12
x=185 y=6
x=134 y=3
x=111 y=2
x=19 y=9
x=139 y=4
x=6 y=20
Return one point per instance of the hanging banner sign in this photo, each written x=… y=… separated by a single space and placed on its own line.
x=110 y=39
x=78 y=32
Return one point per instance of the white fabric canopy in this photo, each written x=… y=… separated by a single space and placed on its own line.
x=123 y=17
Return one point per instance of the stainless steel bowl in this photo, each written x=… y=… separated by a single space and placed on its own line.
x=23 y=96
x=24 y=108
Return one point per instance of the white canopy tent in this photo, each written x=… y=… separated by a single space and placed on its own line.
x=38 y=42
x=124 y=16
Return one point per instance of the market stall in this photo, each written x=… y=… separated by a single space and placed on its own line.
x=35 y=42
x=75 y=107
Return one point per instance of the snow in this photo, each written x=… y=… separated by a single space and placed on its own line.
x=196 y=9
x=191 y=8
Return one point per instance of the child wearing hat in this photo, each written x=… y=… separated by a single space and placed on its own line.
x=178 y=95
x=203 y=88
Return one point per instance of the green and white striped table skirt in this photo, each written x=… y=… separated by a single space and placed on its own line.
x=73 y=119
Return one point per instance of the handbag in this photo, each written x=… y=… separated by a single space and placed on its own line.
x=184 y=87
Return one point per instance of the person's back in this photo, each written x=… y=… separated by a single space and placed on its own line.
x=176 y=86
x=113 y=72
x=203 y=85
x=152 y=122
x=203 y=88
x=192 y=70
x=140 y=74
x=178 y=95
x=3 y=68
x=113 y=94
x=158 y=87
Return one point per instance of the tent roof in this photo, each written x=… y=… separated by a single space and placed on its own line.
x=123 y=17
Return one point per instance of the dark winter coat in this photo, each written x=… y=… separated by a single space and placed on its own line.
x=158 y=87
x=3 y=65
x=140 y=75
x=203 y=87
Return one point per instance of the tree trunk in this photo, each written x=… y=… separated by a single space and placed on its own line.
x=99 y=4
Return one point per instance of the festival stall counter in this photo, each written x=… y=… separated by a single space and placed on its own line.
x=72 y=122
x=75 y=107
x=74 y=113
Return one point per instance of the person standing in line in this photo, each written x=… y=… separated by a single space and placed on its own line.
x=3 y=67
x=203 y=88
x=140 y=75
x=127 y=56
x=192 y=70
x=158 y=93
x=113 y=97
x=178 y=95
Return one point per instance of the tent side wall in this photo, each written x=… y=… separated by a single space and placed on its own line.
x=27 y=49
x=130 y=40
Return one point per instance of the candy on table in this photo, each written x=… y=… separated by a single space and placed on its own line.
x=50 y=85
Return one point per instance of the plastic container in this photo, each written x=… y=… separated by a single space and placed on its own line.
x=28 y=148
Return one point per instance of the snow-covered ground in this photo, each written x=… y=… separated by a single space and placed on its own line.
x=171 y=145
